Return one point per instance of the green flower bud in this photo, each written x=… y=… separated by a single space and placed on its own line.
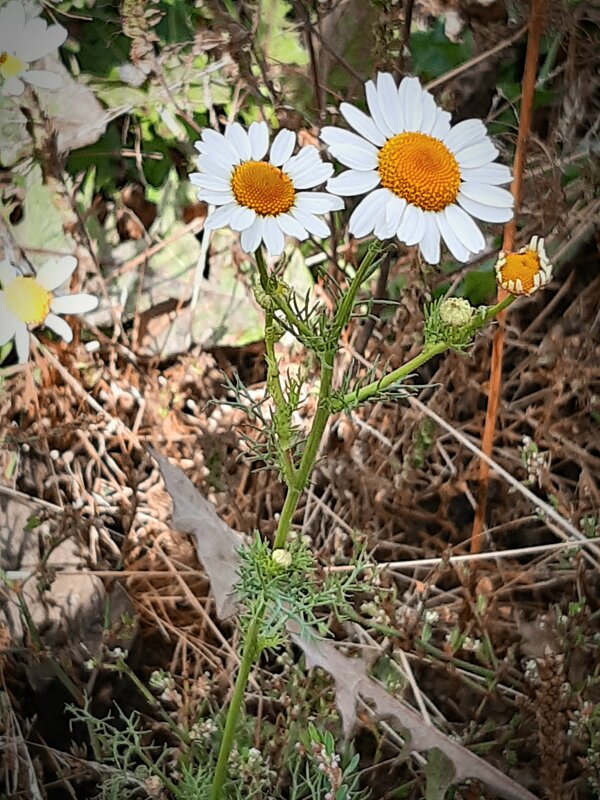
x=281 y=557
x=456 y=312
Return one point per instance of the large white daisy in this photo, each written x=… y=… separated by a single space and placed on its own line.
x=27 y=301
x=265 y=200
x=426 y=179
x=21 y=42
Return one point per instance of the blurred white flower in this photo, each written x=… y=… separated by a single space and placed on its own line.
x=424 y=179
x=28 y=301
x=265 y=200
x=525 y=271
x=23 y=41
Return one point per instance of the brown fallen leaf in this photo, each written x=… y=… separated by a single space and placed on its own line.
x=352 y=684
x=217 y=544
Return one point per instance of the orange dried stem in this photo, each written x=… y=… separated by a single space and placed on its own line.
x=529 y=76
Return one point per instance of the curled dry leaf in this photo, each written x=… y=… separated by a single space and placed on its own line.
x=217 y=544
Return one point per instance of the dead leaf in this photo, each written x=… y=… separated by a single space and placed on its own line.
x=352 y=684
x=217 y=544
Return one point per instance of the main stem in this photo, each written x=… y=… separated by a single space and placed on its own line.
x=248 y=656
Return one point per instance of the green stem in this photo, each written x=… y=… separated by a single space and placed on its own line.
x=248 y=655
x=279 y=300
x=281 y=417
x=370 y=389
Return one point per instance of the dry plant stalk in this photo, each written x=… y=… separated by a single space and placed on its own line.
x=550 y=719
x=536 y=16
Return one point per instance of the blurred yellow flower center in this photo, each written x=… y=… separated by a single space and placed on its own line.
x=10 y=66
x=420 y=169
x=521 y=266
x=27 y=300
x=263 y=188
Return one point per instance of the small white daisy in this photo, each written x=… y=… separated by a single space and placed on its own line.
x=265 y=200
x=21 y=42
x=525 y=271
x=425 y=179
x=27 y=301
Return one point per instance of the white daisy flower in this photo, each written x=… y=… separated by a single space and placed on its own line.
x=426 y=180
x=265 y=200
x=27 y=302
x=21 y=42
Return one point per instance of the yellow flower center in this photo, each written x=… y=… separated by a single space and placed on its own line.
x=27 y=300
x=263 y=188
x=420 y=169
x=10 y=66
x=520 y=266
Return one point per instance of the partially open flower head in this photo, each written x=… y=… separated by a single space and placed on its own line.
x=264 y=200
x=425 y=179
x=23 y=41
x=28 y=301
x=525 y=271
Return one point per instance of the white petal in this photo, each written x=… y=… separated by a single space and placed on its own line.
x=441 y=126
x=12 y=22
x=362 y=123
x=393 y=213
x=430 y=243
x=258 y=133
x=375 y=109
x=22 y=342
x=60 y=327
x=7 y=273
x=388 y=102
x=465 y=133
x=291 y=227
x=8 y=322
x=216 y=198
x=273 y=236
x=319 y=202
x=13 y=87
x=476 y=155
x=456 y=247
x=487 y=195
x=312 y=223
x=55 y=272
x=464 y=227
x=214 y=164
x=333 y=136
x=493 y=174
x=241 y=218
x=74 y=304
x=486 y=213
x=367 y=212
x=251 y=237
x=239 y=140
x=220 y=217
x=43 y=79
x=353 y=182
x=213 y=182
x=215 y=142
x=429 y=116
x=409 y=95
x=282 y=147
x=314 y=175
x=412 y=225
x=38 y=40
x=354 y=157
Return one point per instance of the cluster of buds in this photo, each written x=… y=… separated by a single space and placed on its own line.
x=329 y=765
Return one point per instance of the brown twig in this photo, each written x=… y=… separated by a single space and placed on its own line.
x=529 y=75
